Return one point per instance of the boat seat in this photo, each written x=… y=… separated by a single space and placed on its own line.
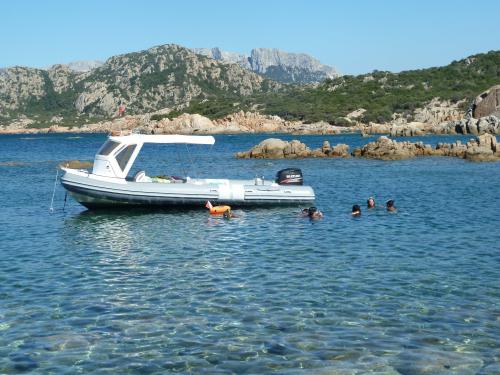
x=178 y=180
x=141 y=177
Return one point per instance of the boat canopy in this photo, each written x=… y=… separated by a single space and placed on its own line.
x=116 y=157
x=174 y=138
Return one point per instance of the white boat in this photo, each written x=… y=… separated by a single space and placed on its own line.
x=108 y=185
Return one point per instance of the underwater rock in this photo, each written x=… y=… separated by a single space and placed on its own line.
x=23 y=363
x=76 y=164
x=429 y=361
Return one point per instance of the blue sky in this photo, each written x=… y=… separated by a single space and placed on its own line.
x=354 y=36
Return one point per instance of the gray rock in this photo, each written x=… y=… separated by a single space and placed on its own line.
x=326 y=147
x=341 y=151
x=471 y=125
x=411 y=129
x=461 y=127
x=487 y=103
x=296 y=148
x=438 y=111
x=483 y=126
x=482 y=148
x=388 y=149
x=273 y=148
x=489 y=125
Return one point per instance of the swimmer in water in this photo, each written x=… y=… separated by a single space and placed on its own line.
x=313 y=213
x=228 y=214
x=370 y=203
x=390 y=206
x=356 y=210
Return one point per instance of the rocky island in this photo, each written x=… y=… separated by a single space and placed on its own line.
x=273 y=148
x=482 y=148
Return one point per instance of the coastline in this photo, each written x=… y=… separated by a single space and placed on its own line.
x=255 y=123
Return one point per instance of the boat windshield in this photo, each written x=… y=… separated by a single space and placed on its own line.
x=124 y=156
x=108 y=148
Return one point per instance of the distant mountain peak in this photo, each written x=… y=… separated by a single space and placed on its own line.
x=230 y=57
x=81 y=66
x=276 y=64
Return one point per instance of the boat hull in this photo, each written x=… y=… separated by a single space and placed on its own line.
x=95 y=193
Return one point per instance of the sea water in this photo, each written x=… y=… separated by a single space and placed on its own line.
x=415 y=292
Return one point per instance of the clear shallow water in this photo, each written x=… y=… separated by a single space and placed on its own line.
x=153 y=292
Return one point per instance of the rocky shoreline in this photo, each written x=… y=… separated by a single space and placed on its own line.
x=437 y=117
x=236 y=123
x=482 y=148
x=251 y=123
x=484 y=125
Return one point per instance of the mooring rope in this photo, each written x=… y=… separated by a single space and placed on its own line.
x=65 y=199
x=51 y=209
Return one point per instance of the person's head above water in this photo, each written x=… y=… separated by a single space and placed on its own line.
x=370 y=202
x=356 y=210
x=314 y=213
x=390 y=205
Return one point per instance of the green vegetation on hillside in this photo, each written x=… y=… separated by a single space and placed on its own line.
x=51 y=101
x=380 y=93
x=293 y=75
x=171 y=76
x=53 y=104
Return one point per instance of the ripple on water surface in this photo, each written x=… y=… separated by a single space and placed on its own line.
x=155 y=292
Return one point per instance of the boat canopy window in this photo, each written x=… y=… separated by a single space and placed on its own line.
x=108 y=148
x=124 y=156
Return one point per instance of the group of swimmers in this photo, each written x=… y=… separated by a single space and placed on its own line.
x=370 y=204
x=314 y=213
x=311 y=212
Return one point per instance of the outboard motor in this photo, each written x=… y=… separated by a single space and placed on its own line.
x=289 y=176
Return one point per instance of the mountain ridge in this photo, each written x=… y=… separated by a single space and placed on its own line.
x=159 y=77
x=173 y=79
x=82 y=66
x=276 y=64
x=383 y=96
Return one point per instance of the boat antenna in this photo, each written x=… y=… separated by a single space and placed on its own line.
x=65 y=199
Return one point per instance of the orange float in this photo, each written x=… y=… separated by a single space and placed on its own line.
x=219 y=210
